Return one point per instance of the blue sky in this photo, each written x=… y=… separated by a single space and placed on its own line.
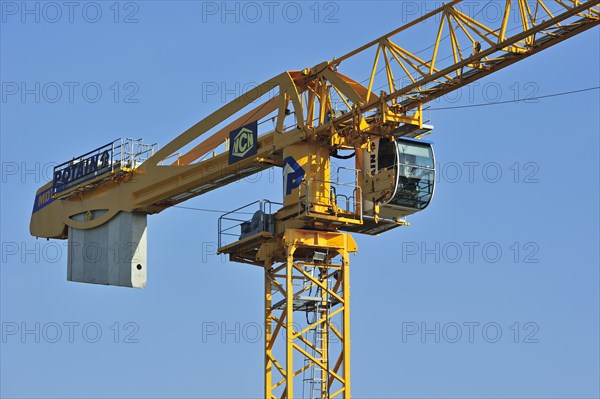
x=518 y=185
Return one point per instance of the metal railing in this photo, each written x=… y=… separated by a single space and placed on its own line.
x=119 y=155
x=130 y=153
x=236 y=224
x=342 y=199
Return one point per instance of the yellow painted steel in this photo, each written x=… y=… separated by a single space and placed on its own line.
x=155 y=185
x=314 y=160
x=307 y=127
x=289 y=350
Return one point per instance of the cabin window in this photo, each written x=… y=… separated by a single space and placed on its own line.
x=416 y=175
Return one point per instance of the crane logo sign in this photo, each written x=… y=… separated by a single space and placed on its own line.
x=293 y=174
x=243 y=142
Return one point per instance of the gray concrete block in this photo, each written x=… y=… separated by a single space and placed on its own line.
x=111 y=254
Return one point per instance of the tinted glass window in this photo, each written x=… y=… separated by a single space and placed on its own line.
x=416 y=175
x=387 y=154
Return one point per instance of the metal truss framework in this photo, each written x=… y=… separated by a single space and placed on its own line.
x=314 y=279
x=412 y=77
x=463 y=48
x=476 y=49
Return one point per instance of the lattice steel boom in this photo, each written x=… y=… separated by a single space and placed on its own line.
x=303 y=245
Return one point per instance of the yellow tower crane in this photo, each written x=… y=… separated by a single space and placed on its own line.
x=302 y=244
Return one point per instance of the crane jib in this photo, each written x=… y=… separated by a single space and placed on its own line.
x=303 y=244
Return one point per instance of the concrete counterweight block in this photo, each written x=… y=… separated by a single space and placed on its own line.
x=111 y=254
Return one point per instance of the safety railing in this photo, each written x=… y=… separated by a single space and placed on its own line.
x=331 y=197
x=119 y=155
x=247 y=220
x=130 y=153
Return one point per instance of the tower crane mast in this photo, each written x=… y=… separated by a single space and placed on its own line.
x=303 y=243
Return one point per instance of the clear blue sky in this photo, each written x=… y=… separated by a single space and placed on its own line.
x=154 y=73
